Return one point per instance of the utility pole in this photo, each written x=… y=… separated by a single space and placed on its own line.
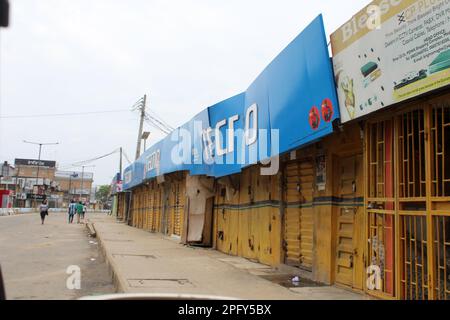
x=120 y=163
x=141 y=126
x=40 y=144
x=82 y=179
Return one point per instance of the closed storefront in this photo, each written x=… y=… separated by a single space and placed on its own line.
x=408 y=201
x=146 y=206
x=176 y=187
x=247 y=216
x=298 y=217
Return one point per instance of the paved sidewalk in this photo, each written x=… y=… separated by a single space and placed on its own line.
x=143 y=262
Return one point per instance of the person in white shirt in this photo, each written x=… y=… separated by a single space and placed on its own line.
x=84 y=211
x=43 y=210
x=72 y=210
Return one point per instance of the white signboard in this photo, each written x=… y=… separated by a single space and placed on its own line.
x=389 y=52
x=128 y=177
x=74 y=175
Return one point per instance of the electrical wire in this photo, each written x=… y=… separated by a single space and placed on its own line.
x=61 y=114
x=166 y=124
x=159 y=122
x=126 y=156
x=156 y=124
x=81 y=163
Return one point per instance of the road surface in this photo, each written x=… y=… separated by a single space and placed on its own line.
x=35 y=258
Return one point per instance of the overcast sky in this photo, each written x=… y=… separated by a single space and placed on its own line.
x=62 y=56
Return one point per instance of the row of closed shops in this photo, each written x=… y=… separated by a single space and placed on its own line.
x=360 y=197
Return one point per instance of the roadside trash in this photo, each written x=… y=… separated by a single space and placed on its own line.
x=92 y=259
x=296 y=280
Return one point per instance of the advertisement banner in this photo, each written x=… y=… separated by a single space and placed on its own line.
x=391 y=51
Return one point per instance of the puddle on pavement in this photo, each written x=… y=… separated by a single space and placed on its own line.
x=286 y=280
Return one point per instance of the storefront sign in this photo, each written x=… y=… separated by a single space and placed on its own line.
x=291 y=103
x=39 y=197
x=74 y=175
x=35 y=163
x=391 y=51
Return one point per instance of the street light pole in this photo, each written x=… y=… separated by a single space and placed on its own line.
x=40 y=144
x=82 y=179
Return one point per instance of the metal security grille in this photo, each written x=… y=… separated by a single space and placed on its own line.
x=440 y=141
x=176 y=210
x=411 y=147
x=440 y=197
x=411 y=161
x=176 y=203
x=298 y=225
x=413 y=240
x=442 y=258
x=380 y=230
x=380 y=204
x=157 y=209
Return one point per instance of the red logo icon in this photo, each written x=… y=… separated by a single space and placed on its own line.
x=314 y=118
x=327 y=110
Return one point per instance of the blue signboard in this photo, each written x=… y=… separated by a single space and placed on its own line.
x=301 y=90
x=291 y=103
x=197 y=126
x=133 y=175
x=227 y=136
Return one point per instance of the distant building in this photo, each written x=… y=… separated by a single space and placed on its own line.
x=74 y=185
x=35 y=181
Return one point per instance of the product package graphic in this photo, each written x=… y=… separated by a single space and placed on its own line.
x=441 y=62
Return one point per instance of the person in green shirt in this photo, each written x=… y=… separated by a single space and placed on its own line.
x=79 y=209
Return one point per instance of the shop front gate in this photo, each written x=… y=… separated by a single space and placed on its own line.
x=408 y=204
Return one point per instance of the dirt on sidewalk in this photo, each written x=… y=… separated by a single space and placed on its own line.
x=144 y=262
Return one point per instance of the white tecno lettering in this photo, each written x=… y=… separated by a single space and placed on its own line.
x=208 y=145
x=231 y=122
x=371 y=19
x=220 y=151
x=251 y=134
x=153 y=161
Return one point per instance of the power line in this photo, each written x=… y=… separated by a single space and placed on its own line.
x=80 y=163
x=158 y=117
x=126 y=156
x=158 y=123
x=61 y=114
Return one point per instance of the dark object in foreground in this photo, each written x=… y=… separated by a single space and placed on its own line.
x=2 y=287
x=4 y=13
x=156 y=296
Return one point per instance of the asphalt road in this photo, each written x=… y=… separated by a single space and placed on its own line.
x=35 y=258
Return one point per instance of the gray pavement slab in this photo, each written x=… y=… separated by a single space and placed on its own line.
x=151 y=263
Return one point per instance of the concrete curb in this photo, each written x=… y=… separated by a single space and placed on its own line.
x=91 y=229
x=119 y=282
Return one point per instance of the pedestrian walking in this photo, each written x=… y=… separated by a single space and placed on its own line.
x=84 y=211
x=43 y=209
x=72 y=210
x=79 y=211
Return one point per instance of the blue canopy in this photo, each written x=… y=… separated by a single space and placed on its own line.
x=293 y=102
